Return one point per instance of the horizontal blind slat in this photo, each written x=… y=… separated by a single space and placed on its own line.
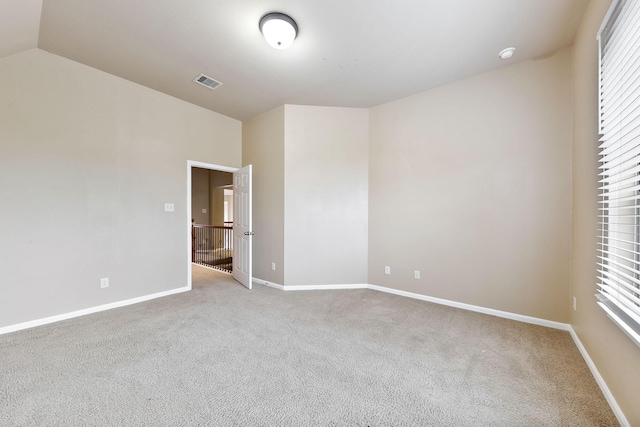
x=625 y=295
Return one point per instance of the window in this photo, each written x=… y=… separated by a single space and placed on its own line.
x=619 y=240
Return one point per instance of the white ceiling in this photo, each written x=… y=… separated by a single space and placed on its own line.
x=354 y=53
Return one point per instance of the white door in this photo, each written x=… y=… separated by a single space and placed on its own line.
x=242 y=226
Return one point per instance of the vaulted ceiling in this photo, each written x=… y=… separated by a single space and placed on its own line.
x=352 y=53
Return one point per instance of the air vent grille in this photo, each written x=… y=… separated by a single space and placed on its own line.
x=207 y=81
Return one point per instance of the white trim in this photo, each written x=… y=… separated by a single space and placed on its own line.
x=91 y=310
x=324 y=287
x=307 y=287
x=478 y=309
x=211 y=268
x=211 y=166
x=267 y=283
x=603 y=385
x=196 y=164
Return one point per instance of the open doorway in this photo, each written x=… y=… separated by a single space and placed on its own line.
x=212 y=219
x=203 y=206
x=242 y=223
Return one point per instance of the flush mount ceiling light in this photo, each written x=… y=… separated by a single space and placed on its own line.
x=507 y=53
x=278 y=29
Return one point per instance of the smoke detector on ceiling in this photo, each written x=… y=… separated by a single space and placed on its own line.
x=207 y=81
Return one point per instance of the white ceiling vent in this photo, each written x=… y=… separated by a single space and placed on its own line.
x=207 y=81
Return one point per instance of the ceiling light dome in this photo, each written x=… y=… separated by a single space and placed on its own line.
x=278 y=29
x=507 y=53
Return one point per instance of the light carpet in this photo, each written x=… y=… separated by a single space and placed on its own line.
x=223 y=355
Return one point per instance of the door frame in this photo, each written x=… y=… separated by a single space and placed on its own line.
x=202 y=165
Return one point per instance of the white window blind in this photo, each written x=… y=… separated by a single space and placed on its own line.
x=619 y=240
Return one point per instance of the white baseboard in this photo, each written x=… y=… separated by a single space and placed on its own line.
x=212 y=269
x=478 y=309
x=267 y=283
x=91 y=310
x=603 y=385
x=324 y=287
x=308 y=287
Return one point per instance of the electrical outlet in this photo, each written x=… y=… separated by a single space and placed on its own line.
x=169 y=207
x=575 y=303
x=204 y=211
x=273 y=266
x=104 y=282
x=387 y=269
x=416 y=274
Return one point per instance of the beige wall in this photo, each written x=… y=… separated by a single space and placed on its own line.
x=200 y=195
x=217 y=206
x=470 y=184
x=599 y=335
x=228 y=199
x=207 y=193
x=87 y=162
x=310 y=173
x=326 y=195
x=263 y=147
x=217 y=181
